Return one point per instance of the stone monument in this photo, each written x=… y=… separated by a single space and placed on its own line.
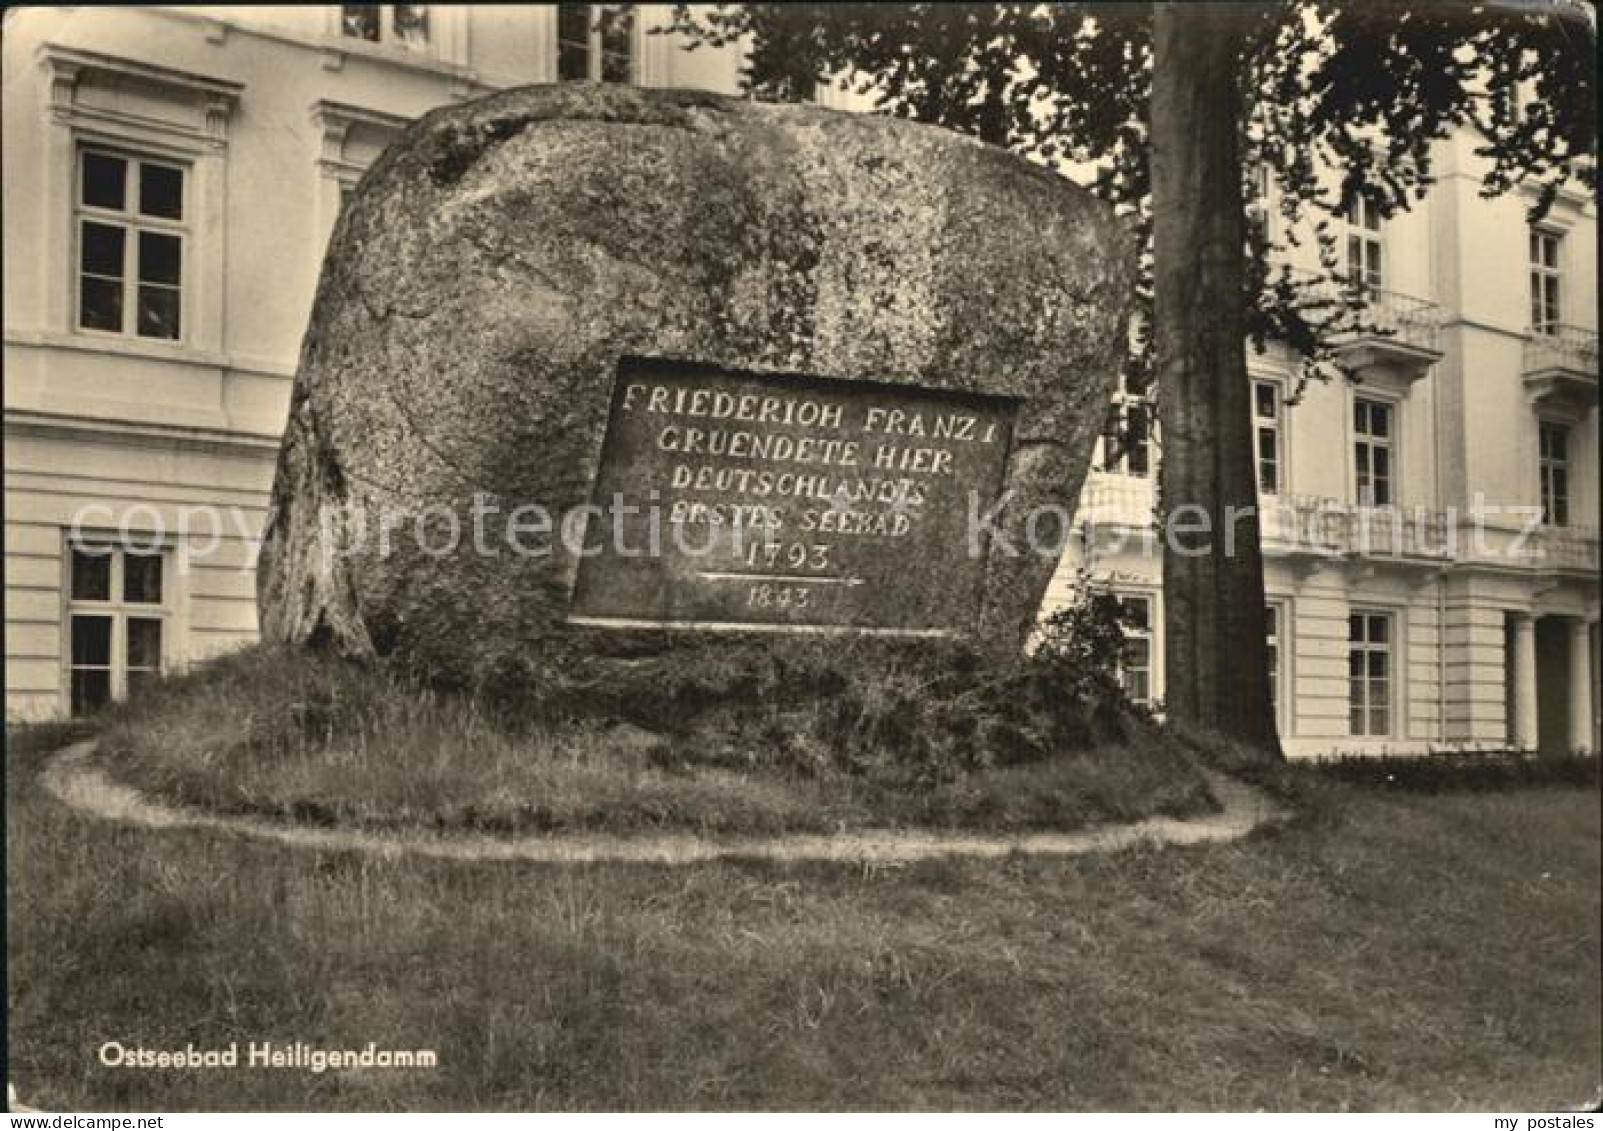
x=598 y=363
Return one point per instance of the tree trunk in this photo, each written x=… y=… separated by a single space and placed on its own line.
x=1215 y=656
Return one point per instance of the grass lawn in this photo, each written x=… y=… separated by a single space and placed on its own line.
x=1393 y=949
x=311 y=739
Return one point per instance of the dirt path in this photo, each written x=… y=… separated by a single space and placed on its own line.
x=74 y=780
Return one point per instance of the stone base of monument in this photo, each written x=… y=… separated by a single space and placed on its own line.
x=829 y=702
x=798 y=735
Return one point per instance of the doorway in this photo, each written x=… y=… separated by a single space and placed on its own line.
x=1553 y=685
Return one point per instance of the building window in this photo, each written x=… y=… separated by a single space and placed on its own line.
x=1259 y=232
x=130 y=228
x=399 y=25
x=1135 y=666
x=1554 y=462
x=1364 y=249
x=1369 y=668
x=1374 y=433
x=1266 y=443
x=117 y=614
x=595 y=42
x=1127 y=433
x=1545 y=282
x=1272 y=621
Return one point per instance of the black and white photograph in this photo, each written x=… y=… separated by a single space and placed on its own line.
x=848 y=557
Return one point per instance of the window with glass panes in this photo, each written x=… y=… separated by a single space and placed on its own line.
x=1374 y=452
x=1260 y=231
x=1369 y=674
x=1266 y=435
x=1554 y=463
x=117 y=617
x=595 y=42
x=1273 y=619
x=1127 y=432
x=1365 y=249
x=130 y=232
x=1135 y=667
x=401 y=25
x=1546 y=281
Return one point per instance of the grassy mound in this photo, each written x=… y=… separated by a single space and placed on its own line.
x=803 y=736
x=1417 y=951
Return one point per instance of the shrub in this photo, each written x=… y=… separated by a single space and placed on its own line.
x=1459 y=771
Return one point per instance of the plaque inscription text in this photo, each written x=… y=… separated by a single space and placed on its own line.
x=728 y=499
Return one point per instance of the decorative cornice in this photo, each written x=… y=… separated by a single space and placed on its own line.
x=214 y=98
x=56 y=56
x=326 y=111
x=335 y=119
x=63 y=86
x=217 y=110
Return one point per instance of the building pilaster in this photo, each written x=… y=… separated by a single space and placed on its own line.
x=1525 y=730
x=1581 y=685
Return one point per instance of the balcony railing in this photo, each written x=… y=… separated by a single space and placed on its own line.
x=1291 y=525
x=1310 y=525
x=1566 y=548
x=1381 y=316
x=1561 y=366
x=1117 y=500
x=1561 y=348
x=1412 y=321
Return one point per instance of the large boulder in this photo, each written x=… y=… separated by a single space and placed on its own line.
x=501 y=258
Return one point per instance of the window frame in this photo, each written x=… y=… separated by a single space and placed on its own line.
x=1125 y=406
x=596 y=52
x=1277 y=611
x=117 y=609
x=1364 y=230
x=1259 y=192
x=1365 y=707
x=1149 y=635
x=1553 y=473
x=1365 y=440
x=388 y=35
x=185 y=122
x=1546 y=280
x=133 y=223
x=1275 y=423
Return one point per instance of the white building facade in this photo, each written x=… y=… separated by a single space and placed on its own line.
x=171 y=178
x=1430 y=529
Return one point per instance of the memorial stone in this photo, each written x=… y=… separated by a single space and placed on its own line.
x=593 y=361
